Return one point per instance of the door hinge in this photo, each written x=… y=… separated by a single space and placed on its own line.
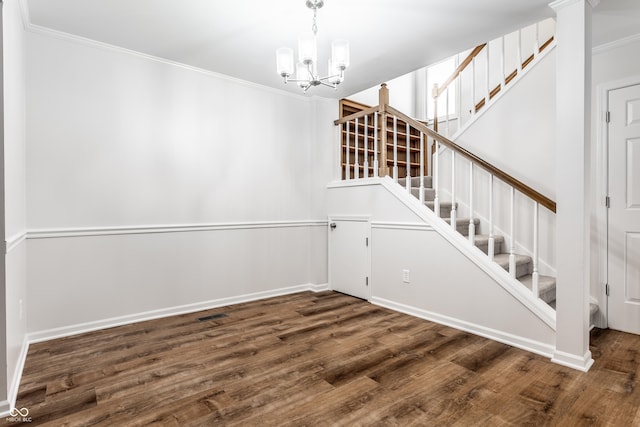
x=366 y=280
x=606 y=289
x=366 y=241
x=607 y=202
x=607 y=116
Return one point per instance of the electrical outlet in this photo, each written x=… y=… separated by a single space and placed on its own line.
x=405 y=276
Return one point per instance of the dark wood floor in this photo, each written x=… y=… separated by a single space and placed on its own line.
x=319 y=360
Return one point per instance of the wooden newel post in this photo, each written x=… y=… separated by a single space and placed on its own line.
x=383 y=103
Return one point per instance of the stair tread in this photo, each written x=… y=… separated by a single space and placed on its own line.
x=483 y=239
x=546 y=287
x=503 y=259
x=476 y=221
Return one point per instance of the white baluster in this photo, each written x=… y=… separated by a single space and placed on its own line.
x=535 y=277
x=519 y=51
x=434 y=174
x=430 y=157
x=473 y=86
x=375 y=144
x=347 y=166
x=421 y=190
x=453 y=189
x=446 y=106
x=472 y=224
x=536 y=42
x=365 y=165
x=356 y=165
x=395 y=148
x=459 y=93
x=512 y=249
x=503 y=73
x=491 y=245
x=488 y=92
x=408 y=158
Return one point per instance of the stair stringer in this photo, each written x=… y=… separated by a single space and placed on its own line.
x=391 y=208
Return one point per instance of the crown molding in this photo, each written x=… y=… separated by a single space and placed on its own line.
x=605 y=47
x=560 y=4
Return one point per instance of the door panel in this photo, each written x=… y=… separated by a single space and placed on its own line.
x=624 y=212
x=349 y=256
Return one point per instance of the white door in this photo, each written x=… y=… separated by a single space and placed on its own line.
x=624 y=212
x=349 y=256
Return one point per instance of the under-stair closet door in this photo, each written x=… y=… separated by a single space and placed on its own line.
x=349 y=255
x=624 y=211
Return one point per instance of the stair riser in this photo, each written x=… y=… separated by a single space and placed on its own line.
x=415 y=181
x=521 y=269
x=484 y=247
x=463 y=227
x=429 y=194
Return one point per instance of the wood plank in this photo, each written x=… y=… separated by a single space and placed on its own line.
x=319 y=359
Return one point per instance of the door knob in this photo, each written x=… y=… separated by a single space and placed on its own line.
x=333 y=225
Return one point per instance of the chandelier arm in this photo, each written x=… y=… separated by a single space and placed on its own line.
x=331 y=85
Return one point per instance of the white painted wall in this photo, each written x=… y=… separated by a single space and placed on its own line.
x=516 y=133
x=402 y=94
x=446 y=285
x=14 y=191
x=124 y=148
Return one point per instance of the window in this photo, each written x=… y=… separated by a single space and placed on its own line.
x=437 y=74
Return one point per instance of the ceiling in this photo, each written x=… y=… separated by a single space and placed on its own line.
x=238 y=38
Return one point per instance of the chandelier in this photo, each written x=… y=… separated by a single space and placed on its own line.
x=306 y=67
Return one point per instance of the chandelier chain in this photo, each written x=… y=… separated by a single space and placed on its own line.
x=314 y=27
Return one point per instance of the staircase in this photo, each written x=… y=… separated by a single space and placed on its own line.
x=380 y=141
x=524 y=263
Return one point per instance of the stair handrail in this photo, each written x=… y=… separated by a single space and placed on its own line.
x=385 y=109
x=494 y=170
x=439 y=90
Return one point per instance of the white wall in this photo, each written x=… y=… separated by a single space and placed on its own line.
x=164 y=186
x=14 y=189
x=402 y=94
x=516 y=133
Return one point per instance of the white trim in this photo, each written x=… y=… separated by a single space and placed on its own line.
x=605 y=47
x=561 y=4
x=602 y=183
x=175 y=228
x=572 y=361
x=17 y=376
x=65 y=331
x=503 y=337
x=12 y=242
x=5 y=407
x=417 y=226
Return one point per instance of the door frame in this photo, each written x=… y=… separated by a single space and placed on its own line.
x=352 y=218
x=602 y=188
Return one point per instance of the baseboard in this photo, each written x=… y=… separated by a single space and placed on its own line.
x=17 y=375
x=581 y=363
x=66 y=331
x=503 y=337
x=5 y=407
